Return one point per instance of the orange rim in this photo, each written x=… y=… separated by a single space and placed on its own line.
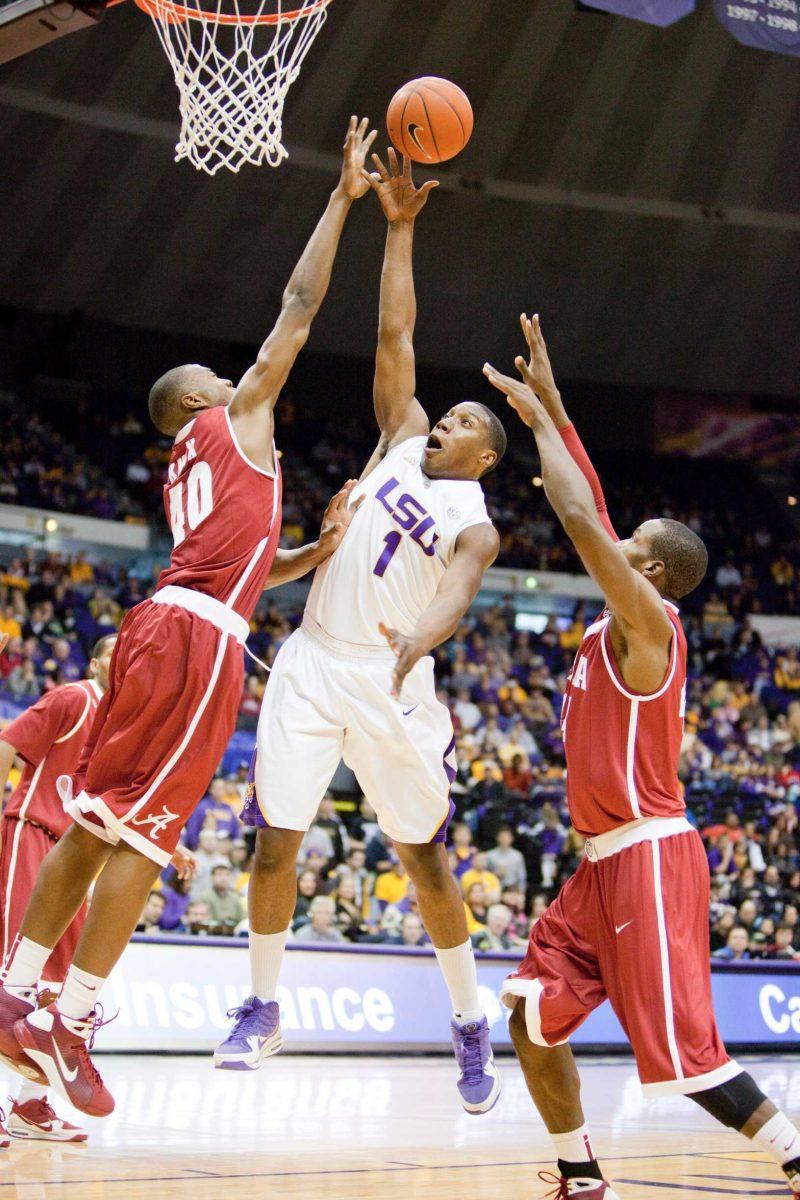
x=167 y=8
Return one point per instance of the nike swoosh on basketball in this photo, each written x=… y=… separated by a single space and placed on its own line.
x=414 y=135
x=619 y=928
x=408 y=711
x=62 y=1066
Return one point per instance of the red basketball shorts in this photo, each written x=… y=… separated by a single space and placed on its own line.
x=24 y=848
x=162 y=726
x=632 y=926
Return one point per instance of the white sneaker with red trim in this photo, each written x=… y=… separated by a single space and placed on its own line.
x=37 y=1120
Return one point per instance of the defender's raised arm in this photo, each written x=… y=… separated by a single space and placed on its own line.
x=260 y=386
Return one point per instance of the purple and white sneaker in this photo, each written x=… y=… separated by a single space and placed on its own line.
x=479 y=1079
x=256 y=1035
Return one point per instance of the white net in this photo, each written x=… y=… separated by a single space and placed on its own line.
x=234 y=65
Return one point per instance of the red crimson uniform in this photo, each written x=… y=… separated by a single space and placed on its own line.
x=49 y=737
x=177 y=671
x=632 y=924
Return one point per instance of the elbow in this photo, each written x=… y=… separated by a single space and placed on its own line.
x=298 y=299
x=577 y=521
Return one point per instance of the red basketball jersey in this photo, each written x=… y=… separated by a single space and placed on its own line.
x=622 y=748
x=49 y=736
x=224 y=513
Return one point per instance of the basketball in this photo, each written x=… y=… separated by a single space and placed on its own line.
x=430 y=119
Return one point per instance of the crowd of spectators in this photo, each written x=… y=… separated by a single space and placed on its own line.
x=52 y=463
x=512 y=845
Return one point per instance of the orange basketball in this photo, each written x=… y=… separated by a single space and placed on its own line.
x=430 y=119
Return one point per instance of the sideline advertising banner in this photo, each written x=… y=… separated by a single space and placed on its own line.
x=174 y=993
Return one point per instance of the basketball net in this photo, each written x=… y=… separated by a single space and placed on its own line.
x=233 y=65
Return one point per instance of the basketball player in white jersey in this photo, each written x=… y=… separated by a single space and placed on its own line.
x=356 y=681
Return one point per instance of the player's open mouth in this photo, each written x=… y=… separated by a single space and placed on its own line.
x=433 y=443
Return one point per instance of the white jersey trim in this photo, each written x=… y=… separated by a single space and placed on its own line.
x=630 y=761
x=14 y=849
x=666 y=982
x=645 y=699
x=259 y=550
x=82 y=718
x=241 y=453
x=687 y=1086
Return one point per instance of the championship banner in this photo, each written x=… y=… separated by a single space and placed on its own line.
x=763 y=24
x=174 y=993
x=653 y=12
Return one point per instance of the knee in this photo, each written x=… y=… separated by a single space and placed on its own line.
x=428 y=870
x=276 y=851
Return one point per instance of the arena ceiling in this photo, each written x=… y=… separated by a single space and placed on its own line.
x=639 y=187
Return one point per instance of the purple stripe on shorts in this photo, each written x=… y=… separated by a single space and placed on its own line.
x=450 y=772
x=251 y=814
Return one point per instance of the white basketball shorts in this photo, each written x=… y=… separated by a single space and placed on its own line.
x=321 y=706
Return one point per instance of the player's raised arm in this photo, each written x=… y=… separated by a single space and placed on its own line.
x=476 y=549
x=398 y=412
x=543 y=383
x=294 y=564
x=629 y=595
x=260 y=386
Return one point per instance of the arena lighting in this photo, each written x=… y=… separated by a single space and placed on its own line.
x=29 y=24
x=537 y=481
x=532 y=582
x=653 y=12
x=51 y=525
x=791 y=501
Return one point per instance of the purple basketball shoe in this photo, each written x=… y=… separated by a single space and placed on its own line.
x=479 y=1079
x=256 y=1035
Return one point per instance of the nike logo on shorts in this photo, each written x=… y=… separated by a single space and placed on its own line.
x=619 y=928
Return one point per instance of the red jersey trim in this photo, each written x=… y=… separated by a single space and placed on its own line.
x=241 y=453
x=643 y=697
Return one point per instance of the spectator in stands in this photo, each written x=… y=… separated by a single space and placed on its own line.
x=321 y=926
x=307 y=888
x=213 y=812
x=224 y=904
x=736 y=948
x=476 y=908
x=392 y=885
x=175 y=894
x=550 y=836
x=496 y=934
x=782 y=946
x=151 y=914
x=507 y=863
x=208 y=857
x=349 y=915
x=462 y=849
x=196 y=920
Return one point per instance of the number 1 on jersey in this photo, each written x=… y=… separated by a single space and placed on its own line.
x=392 y=540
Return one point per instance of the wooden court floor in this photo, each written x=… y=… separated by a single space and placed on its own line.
x=385 y=1128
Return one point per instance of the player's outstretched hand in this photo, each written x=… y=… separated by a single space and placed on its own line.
x=541 y=375
x=401 y=199
x=408 y=654
x=338 y=516
x=356 y=148
x=184 y=862
x=520 y=393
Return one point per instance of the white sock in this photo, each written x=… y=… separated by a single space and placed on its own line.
x=779 y=1139
x=24 y=965
x=458 y=967
x=574 y=1147
x=266 y=959
x=78 y=996
x=30 y=1091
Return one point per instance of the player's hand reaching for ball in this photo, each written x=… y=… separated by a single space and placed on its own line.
x=540 y=373
x=520 y=393
x=356 y=148
x=337 y=519
x=401 y=199
x=407 y=652
x=184 y=862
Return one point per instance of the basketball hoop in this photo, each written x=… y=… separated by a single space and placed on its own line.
x=234 y=64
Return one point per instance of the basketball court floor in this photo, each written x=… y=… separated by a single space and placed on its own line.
x=352 y=1128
